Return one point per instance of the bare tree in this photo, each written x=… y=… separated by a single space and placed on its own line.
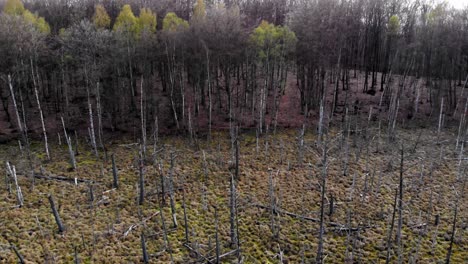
x=70 y=148
x=46 y=144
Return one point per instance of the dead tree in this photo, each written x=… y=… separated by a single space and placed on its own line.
x=218 y=248
x=400 y=209
x=273 y=205
x=331 y=208
x=70 y=148
x=46 y=144
x=204 y=182
x=237 y=159
x=210 y=104
x=141 y=196
x=21 y=124
x=319 y=257
x=232 y=211
x=91 y=193
x=461 y=95
x=76 y=258
x=76 y=143
x=346 y=136
x=454 y=223
x=143 y=120
x=18 y=119
x=91 y=124
x=461 y=127
x=60 y=225
x=155 y=139
x=190 y=127
x=441 y=116
x=187 y=241
x=321 y=128
x=19 y=194
x=7 y=182
x=392 y=224
x=172 y=191
x=162 y=182
x=115 y=183
x=167 y=245
x=143 y=248
x=17 y=253
x=393 y=115
x=99 y=116
x=300 y=139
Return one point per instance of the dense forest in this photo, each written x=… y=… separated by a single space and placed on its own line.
x=171 y=60
x=233 y=131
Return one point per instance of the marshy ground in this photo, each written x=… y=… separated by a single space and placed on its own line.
x=108 y=228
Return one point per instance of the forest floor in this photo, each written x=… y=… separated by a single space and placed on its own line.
x=289 y=114
x=108 y=229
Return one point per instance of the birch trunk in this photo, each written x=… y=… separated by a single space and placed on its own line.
x=46 y=144
x=70 y=147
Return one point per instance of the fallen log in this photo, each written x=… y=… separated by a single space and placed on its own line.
x=338 y=226
x=198 y=253
x=58 y=178
x=132 y=227
x=17 y=253
x=225 y=254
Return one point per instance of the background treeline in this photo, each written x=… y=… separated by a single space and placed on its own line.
x=170 y=62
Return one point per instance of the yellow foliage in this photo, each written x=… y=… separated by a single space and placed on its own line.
x=126 y=20
x=394 y=25
x=101 y=19
x=42 y=25
x=199 y=12
x=174 y=23
x=271 y=40
x=13 y=7
x=146 y=21
x=38 y=22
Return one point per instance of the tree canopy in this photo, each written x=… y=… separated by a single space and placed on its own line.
x=174 y=23
x=13 y=7
x=126 y=21
x=146 y=21
x=100 y=18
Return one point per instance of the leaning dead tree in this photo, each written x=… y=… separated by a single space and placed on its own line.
x=460 y=195
x=41 y=115
x=58 y=221
x=143 y=248
x=19 y=194
x=18 y=119
x=21 y=123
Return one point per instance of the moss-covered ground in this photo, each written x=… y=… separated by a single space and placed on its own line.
x=363 y=199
